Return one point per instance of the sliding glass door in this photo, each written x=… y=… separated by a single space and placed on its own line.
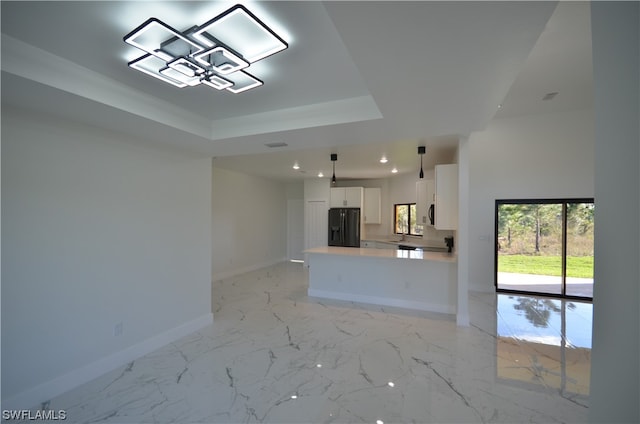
x=579 y=249
x=545 y=247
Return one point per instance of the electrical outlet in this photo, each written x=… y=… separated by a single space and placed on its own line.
x=117 y=329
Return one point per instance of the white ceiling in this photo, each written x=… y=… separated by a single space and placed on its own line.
x=360 y=79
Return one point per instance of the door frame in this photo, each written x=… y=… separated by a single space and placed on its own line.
x=317 y=225
x=295 y=209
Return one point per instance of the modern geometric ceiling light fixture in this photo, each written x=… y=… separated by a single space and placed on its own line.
x=334 y=158
x=421 y=152
x=216 y=53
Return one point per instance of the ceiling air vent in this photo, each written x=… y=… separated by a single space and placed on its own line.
x=550 y=96
x=276 y=144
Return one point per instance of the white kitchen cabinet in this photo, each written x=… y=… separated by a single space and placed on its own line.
x=346 y=197
x=354 y=197
x=446 y=191
x=425 y=197
x=372 y=212
x=337 y=199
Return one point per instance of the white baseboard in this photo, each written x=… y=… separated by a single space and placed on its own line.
x=400 y=303
x=32 y=398
x=232 y=273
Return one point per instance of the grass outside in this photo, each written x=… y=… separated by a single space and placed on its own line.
x=577 y=266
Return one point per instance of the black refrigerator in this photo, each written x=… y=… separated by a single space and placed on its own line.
x=344 y=227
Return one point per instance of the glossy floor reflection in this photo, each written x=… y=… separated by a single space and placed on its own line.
x=550 y=342
x=275 y=355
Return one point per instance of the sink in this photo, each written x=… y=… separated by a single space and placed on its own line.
x=405 y=247
x=410 y=245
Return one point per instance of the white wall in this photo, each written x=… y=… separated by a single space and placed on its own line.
x=316 y=189
x=544 y=156
x=295 y=190
x=96 y=232
x=615 y=357
x=248 y=222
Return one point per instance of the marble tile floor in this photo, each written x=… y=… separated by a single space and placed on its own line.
x=275 y=355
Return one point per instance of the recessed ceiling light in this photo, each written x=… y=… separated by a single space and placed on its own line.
x=320 y=174
x=296 y=166
x=384 y=159
x=394 y=170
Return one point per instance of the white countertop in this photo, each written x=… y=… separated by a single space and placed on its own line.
x=384 y=253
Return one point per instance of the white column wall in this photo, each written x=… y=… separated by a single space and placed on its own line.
x=462 y=233
x=615 y=358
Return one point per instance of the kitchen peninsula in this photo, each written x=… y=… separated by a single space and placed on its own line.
x=413 y=279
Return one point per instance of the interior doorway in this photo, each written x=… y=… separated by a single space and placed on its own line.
x=295 y=229
x=545 y=246
x=316 y=217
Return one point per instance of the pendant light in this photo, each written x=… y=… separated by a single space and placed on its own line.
x=421 y=151
x=334 y=158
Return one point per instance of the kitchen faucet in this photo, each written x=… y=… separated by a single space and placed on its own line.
x=449 y=242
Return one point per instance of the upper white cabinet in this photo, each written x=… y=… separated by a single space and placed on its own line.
x=446 y=195
x=425 y=197
x=354 y=197
x=337 y=199
x=372 y=214
x=346 y=197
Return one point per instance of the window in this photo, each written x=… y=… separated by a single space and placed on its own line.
x=405 y=220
